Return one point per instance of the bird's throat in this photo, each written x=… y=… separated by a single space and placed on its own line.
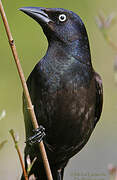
x=63 y=52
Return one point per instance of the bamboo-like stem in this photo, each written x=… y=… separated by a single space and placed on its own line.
x=19 y=154
x=25 y=88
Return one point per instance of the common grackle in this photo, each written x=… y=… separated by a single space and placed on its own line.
x=65 y=90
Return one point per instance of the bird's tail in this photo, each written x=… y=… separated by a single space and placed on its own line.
x=58 y=174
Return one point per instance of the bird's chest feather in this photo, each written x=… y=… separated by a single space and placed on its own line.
x=64 y=104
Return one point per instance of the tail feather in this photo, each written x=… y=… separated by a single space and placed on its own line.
x=58 y=174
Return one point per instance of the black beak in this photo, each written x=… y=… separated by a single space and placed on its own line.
x=37 y=13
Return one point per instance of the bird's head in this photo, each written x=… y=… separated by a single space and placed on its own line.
x=64 y=28
x=58 y=23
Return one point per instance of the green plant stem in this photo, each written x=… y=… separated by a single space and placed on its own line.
x=19 y=154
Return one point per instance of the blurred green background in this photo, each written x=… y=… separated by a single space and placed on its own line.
x=31 y=43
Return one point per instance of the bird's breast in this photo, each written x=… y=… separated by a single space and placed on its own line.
x=69 y=109
x=65 y=105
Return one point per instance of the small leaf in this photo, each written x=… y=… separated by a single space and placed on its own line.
x=29 y=163
x=2 y=144
x=99 y=22
x=3 y=114
x=110 y=20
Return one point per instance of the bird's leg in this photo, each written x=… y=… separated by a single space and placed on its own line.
x=39 y=134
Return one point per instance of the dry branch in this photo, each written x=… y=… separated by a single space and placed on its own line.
x=26 y=92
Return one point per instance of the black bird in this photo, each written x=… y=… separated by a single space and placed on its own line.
x=65 y=90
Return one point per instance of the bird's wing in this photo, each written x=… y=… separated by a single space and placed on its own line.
x=99 y=97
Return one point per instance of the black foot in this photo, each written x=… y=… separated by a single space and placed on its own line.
x=39 y=134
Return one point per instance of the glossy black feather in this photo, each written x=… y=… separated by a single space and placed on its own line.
x=99 y=97
x=65 y=91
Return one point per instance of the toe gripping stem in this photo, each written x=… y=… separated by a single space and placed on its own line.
x=38 y=136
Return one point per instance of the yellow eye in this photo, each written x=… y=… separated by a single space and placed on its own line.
x=62 y=17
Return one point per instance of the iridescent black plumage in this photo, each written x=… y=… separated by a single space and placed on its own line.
x=65 y=90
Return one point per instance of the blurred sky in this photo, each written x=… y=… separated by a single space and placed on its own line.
x=31 y=43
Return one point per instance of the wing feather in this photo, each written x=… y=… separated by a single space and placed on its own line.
x=99 y=97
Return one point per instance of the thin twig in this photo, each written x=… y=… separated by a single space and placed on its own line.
x=26 y=92
x=111 y=43
x=103 y=24
x=19 y=154
x=109 y=40
x=29 y=163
